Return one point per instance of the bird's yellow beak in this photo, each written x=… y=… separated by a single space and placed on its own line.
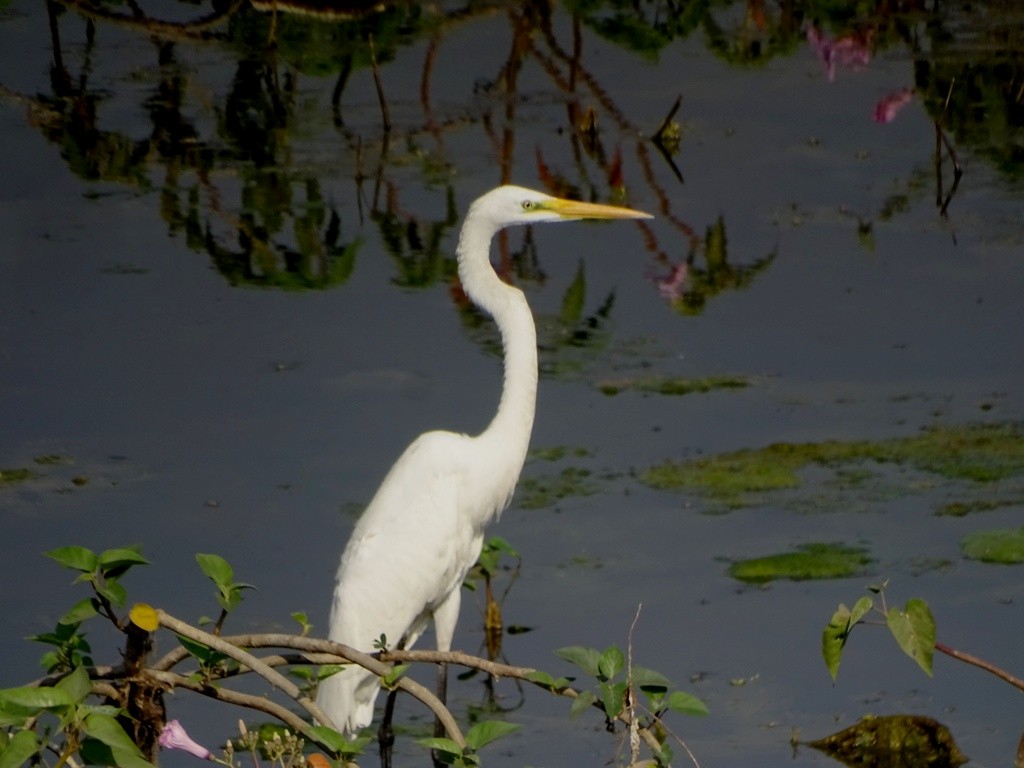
x=576 y=209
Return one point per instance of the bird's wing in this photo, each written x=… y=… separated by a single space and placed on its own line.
x=410 y=548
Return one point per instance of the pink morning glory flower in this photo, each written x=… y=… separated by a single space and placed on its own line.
x=173 y=736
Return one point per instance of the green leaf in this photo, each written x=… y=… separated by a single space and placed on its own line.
x=679 y=701
x=204 y=653
x=498 y=544
x=482 y=734
x=77 y=685
x=106 y=729
x=542 y=678
x=34 y=699
x=584 y=701
x=114 y=592
x=612 y=661
x=326 y=670
x=860 y=610
x=95 y=752
x=394 y=675
x=441 y=744
x=586 y=659
x=79 y=612
x=914 y=630
x=75 y=558
x=114 y=562
x=337 y=742
x=833 y=639
x=648 y=680
x=303 y=621
x=302 y=673
x=21 y=748
x=613 y=698
x=216 y=569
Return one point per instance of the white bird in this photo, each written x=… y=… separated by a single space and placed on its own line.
x=423 y=530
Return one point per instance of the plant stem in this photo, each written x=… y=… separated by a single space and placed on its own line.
x=968 y=658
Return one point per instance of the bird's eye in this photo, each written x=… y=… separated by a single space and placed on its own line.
x=527 y=205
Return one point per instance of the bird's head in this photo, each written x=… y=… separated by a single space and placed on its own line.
x=509 y=205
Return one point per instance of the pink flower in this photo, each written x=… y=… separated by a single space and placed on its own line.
x=887 y=108
x=173 y=736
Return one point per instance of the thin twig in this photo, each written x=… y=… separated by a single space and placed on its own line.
x=634 y=737
x=973 y=660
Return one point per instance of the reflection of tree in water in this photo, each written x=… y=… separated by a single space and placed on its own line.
x=688 y=287
x=269 y=220
x=976 y=60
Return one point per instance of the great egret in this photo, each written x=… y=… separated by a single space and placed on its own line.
x=423 y=530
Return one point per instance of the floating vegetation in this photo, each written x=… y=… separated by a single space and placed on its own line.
x=894 y=741
x=52 y=460
x=670 y=385
x=548 y=490
x=965 y=508
x=809 y=561
x=17 y=475
x=1004 y=546
x=557 y=453
x=979 y=453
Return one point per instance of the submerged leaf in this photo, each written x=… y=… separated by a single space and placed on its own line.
x=894 y=741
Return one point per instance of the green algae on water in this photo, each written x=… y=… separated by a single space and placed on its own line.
x=548 y=490
x=17 y=475
x=557 y=453
x=807 y=562
x=980 y=453
x=1003 y=546
x=673 y=386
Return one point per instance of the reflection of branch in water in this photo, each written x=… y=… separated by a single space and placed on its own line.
x=666 y=138
x=689 y=287
x=416 y=245
x=198 y=28
x=385 y=114
x=940 y=140
x=580 y=73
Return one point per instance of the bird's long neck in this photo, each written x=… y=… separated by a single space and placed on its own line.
x=513 y=423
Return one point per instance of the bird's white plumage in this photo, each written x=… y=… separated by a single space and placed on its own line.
x=423 y=530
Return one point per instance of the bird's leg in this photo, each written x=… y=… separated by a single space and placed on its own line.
x=386 y=735
x=442 y=694
x=445 y=617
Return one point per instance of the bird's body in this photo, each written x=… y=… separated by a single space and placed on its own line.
x=423 y=530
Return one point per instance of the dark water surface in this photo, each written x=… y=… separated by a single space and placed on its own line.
x=228 y=306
